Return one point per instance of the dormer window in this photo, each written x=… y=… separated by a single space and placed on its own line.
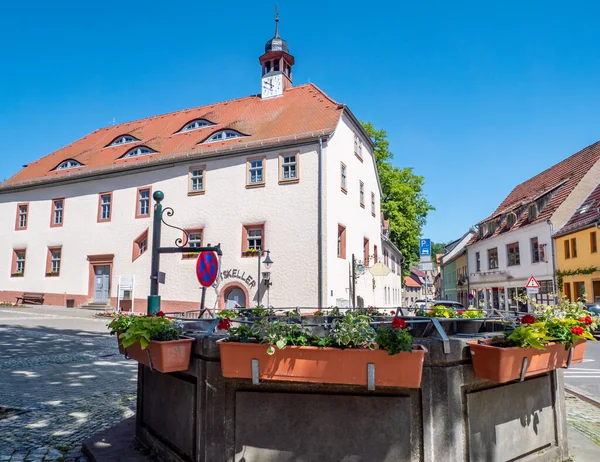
x=511 y=220
x=195 y=125
x=138 y=151
x=482 y=230
x=532 y=212
x=224 y=135
x=492 y=227
x=123 y=139
x=70 y=163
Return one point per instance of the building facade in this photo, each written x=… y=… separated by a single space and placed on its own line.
x=454 y=270
x=515 y=242
x=290 y=171
x=578 y=261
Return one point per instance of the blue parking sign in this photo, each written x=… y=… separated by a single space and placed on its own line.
x=425 y=248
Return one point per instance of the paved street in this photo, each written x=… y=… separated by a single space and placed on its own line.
x=585 y=377
x=62 y=380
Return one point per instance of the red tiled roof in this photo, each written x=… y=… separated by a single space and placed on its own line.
x=586 y=215
x=410 y=282
x=418 y=272
x=302 y=112
x=559 y=180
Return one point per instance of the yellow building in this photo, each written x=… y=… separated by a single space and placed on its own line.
x=577 y=256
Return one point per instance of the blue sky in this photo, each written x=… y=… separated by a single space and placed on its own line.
x=477 y=97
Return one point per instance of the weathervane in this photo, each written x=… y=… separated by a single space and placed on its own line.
x=276 y=21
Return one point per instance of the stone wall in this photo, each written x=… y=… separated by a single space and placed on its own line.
x=201 y=416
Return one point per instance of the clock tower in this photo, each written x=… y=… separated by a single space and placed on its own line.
x=276 y=65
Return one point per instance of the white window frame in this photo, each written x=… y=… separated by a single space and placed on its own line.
x=195 y=125
x=123 y=139
x=344 y=176
x=105 y=206
x=361 y=188
x=197 y=180
x=55 y=258
x=20 y=262
x=256 y=170
x=373 y=203
x=195 y=239
x=144 y=202
x=23 y=212
x=143 y=245
x=69 y=163
x=224 y=135
x=254 y=238
x=138 y=151
x=289 y=168
x=57 y=219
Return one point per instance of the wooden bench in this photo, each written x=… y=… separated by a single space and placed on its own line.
x=31 y=297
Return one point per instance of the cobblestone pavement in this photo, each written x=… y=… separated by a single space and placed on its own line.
x=61 y=381
x=585 y=418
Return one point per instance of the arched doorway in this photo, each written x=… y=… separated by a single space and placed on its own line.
x=234 y=295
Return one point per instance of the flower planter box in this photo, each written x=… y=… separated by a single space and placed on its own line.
x=503 y=364
x=171 y=356
x=121 y=349
x=323 y=365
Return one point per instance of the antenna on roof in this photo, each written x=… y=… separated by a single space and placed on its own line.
x=276 y=21
x=114 y=121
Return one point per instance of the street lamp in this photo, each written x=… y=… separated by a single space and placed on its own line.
x=268 y=262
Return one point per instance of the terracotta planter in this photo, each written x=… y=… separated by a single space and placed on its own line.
x=171 y=356
x=323 y=365
x=121 y=349
x=501 y=365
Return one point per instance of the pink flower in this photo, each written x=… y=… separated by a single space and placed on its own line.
x=459 y=312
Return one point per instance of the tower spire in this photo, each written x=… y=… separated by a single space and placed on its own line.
x=276 y=21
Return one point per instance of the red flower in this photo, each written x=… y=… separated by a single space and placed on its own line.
x=587 y=320
x=528 y=319
x=224 y=324
x=160 y=314
x=459 y=312
x=399 y=323
x=149 y=315
x=393 y=313
x=577 y=330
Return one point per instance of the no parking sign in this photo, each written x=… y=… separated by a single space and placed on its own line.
x=207 y=268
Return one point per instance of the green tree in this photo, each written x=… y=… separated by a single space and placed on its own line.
x=437 y=247
x=403 y=201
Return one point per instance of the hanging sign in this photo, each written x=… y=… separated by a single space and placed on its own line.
x=207 y=268
x=532 y=283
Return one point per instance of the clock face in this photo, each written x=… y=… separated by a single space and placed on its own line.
x=272 y=86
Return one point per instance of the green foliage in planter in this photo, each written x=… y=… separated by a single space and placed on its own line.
x=530 y=336
x=227 y=314
x=350 y=331
x=353 y=330
x=394 y=340
x=143 y=329
x=120 y=323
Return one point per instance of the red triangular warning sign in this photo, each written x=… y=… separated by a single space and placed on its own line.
x=532 y=283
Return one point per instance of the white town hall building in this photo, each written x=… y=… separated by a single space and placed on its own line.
x=290 y=171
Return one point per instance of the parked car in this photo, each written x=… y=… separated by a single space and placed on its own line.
x=421 y=304
x=448 y=304
x=593 y=308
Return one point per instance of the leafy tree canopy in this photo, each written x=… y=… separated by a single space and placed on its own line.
x=403 y=201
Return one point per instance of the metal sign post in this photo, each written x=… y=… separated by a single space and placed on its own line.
x=180 y=247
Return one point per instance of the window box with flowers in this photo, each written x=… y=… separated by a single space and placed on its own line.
x=153 y=340
x=553 y=338
x=289 y=351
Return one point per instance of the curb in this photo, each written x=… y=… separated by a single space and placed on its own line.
x=579 y=394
